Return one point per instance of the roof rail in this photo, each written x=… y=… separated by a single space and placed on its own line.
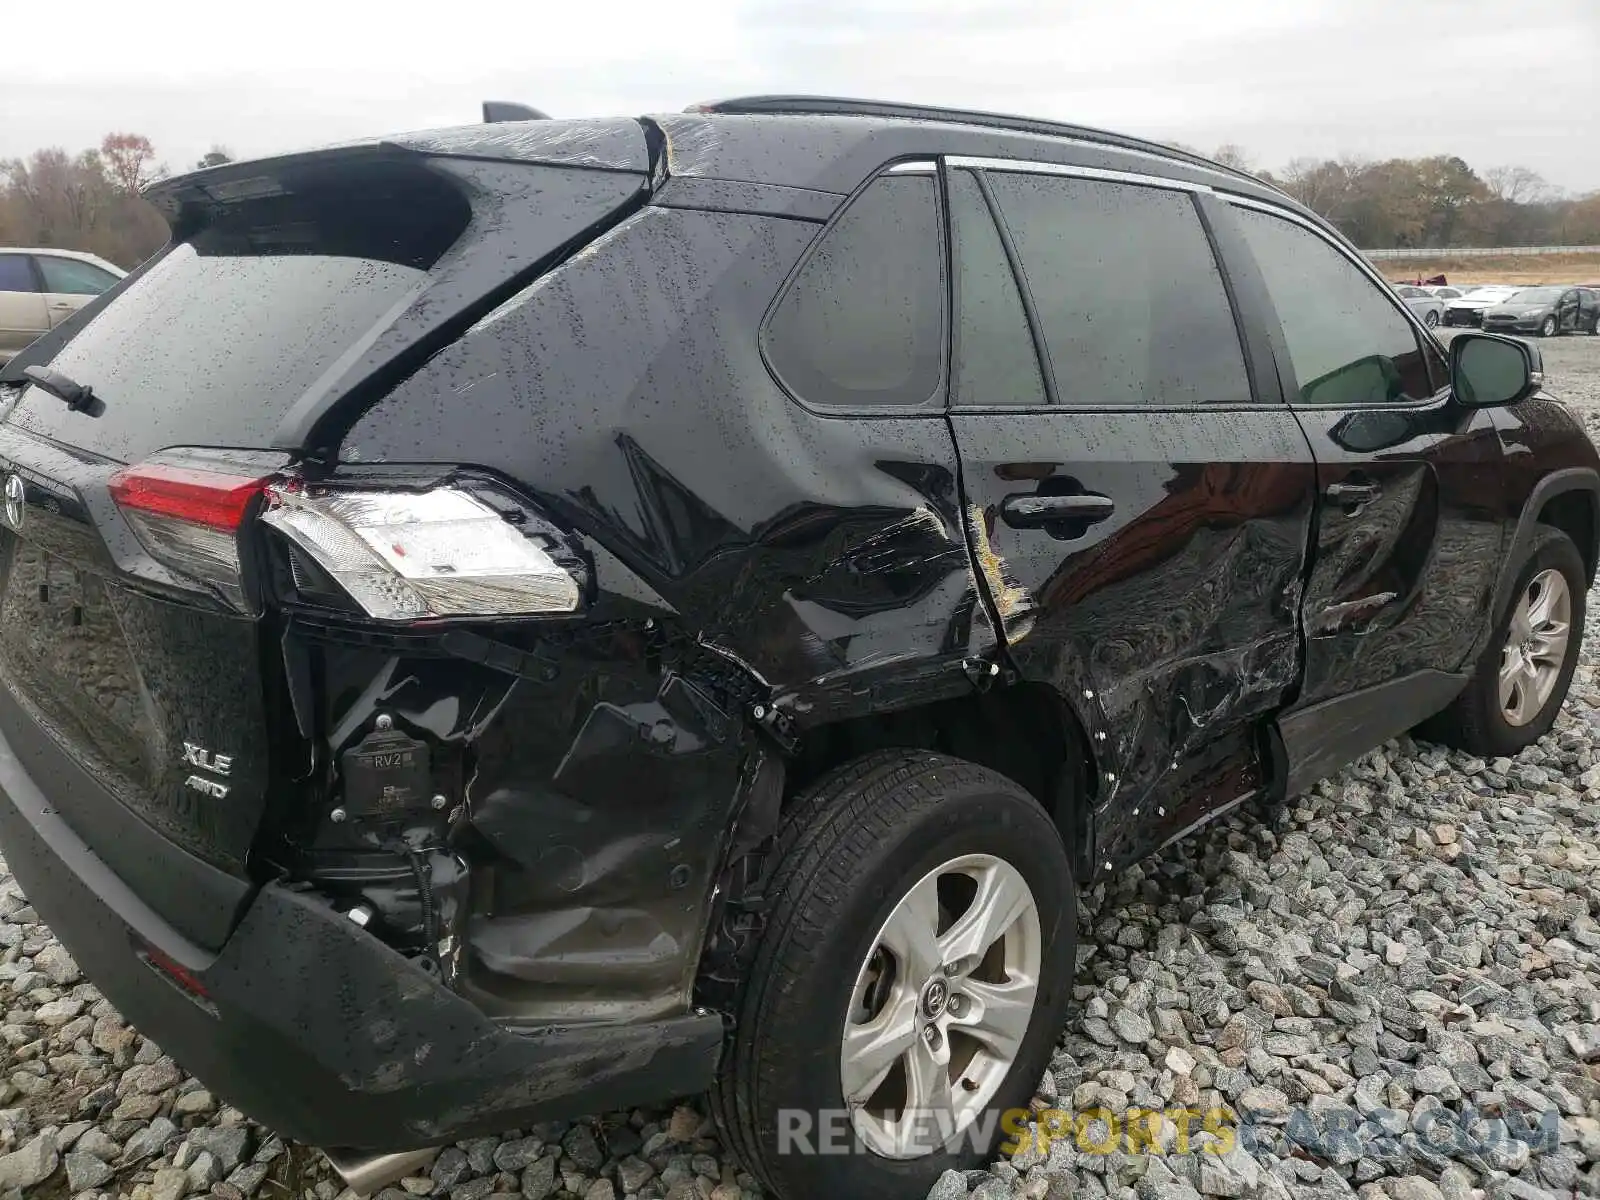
x=844 y=106
x=507 y=110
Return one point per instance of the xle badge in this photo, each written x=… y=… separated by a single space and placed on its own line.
x=205 y=760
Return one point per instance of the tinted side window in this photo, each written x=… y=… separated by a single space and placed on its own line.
x=995 y=361
x=1127 y=293
x=69 y=277
x=1348 y=343
x=863 y=322
x=15 y=274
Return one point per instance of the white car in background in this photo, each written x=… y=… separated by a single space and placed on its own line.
x=1468 y=310
x=1428 y=307
x=40 y=288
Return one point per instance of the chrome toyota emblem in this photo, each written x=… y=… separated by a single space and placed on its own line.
x=16 y=494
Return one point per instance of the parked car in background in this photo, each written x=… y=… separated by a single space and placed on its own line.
x=1428 y=307
x=1546 y=311
x=411 y=777
x=1468 y=309
x=1445 y=292
x=41 y=288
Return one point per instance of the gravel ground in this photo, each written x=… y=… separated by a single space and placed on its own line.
x=1389 y=989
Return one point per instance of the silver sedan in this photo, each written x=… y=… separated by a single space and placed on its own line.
x=1428 y=307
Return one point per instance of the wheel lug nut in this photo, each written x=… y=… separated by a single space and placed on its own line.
x=958 y=1005
x=932 y=1037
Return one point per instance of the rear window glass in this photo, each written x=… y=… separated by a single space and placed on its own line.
x=218 y=339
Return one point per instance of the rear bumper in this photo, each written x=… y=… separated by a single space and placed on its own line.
x=318 y=1030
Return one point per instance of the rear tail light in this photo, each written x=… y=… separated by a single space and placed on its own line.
x=404 y=556
x=187 y=515
x=399 y=556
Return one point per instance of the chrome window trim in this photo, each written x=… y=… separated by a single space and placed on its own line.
x=914 y=168
x=1030 y=167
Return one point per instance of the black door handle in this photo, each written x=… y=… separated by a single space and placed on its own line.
x=1025 y=511
x=1352 y=494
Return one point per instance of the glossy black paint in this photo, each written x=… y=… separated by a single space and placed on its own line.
x=1403 y=581
x=756 y=576
x=1168 y=626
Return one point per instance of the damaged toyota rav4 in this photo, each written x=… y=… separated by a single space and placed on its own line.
x=511 y=622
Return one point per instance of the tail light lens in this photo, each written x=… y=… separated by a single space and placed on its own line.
x=187 y=515
x=404 y=556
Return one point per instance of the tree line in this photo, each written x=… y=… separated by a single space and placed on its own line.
x=1436 y=202
x=91 y=201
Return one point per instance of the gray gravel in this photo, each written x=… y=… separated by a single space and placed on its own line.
x=1388 y=989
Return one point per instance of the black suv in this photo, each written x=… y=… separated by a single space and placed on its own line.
x=528 y=619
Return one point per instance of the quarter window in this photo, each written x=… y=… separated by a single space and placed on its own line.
x=1129 y=300
x=1349 y=345
x=862 y=324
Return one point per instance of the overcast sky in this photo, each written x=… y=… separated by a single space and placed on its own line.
x=1494 y=81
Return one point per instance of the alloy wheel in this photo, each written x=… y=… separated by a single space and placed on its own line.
x=1536 y=647
x=941 y=1006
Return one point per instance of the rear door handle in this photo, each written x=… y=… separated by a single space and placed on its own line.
x=1352 y=494
x=1025 y=511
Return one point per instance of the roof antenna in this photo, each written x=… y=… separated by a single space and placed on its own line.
x=506 y=110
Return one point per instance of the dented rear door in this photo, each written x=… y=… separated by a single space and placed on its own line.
x=1138 y=498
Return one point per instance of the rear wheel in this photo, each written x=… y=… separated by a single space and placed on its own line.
x=911 y=982
x=1521 y=681
x=1548 y=327
x=1430 y=319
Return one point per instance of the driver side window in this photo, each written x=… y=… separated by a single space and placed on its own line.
x=1349 y=346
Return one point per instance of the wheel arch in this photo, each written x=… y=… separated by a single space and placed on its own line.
x=1568 y=500
x=1026 y=732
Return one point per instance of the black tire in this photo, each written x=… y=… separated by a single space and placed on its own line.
x=1431 y=319
x=852 y=846
x=1474 y=721
x=1549 y=327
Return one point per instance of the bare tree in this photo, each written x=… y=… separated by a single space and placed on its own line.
x=52 y=199
x=129 y=160
x=1232 y=155
x=1321 y=185
x=1516 y=185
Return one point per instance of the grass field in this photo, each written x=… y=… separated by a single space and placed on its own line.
x=1534 y=268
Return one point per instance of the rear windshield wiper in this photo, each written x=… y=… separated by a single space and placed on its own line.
x=78 y=397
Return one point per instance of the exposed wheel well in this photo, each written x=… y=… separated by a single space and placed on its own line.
x=1026 y=732
x=1573 y=513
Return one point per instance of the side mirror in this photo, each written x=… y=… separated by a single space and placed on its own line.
x=1488 y=370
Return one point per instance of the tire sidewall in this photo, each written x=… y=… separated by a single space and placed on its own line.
x=997 y=822
x=1550 y=549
